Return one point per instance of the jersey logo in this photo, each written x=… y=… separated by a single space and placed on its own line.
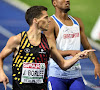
x=42 y=51
x=26 y=50
x=65 y=30
x=71 y=35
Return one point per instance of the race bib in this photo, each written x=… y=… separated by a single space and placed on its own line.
x=33 y=72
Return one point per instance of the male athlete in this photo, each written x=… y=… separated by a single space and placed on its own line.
x=68 y=34
x=31 y=53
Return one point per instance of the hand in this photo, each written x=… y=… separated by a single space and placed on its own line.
x=4 y=79
x=97 y=71
x=74 y=52
x=84 y=54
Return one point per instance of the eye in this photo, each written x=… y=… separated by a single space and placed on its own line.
x=46 y=17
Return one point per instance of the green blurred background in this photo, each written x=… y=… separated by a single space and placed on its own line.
x=87 y=10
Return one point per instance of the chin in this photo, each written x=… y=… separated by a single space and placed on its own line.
x=66 y=10
x=44 y=29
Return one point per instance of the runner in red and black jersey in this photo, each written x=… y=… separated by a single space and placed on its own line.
x=31 y=53
x=30 y=64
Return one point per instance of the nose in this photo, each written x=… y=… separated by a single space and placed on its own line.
x=49 y=20
x=67 y=0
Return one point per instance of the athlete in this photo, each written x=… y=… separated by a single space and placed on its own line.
x=68 y=34
x=31 y=53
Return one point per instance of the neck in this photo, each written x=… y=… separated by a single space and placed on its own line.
x=34 y=34
x=61 y=14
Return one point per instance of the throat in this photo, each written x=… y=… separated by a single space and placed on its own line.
x=34 y=38
x=35 y=42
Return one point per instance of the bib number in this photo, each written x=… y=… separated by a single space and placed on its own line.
x=33 y=73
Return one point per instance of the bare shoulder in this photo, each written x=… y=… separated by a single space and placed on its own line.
x=79 y=20
x=14 y=40
x=51 y=19
x=11 y=45
x=52 y=22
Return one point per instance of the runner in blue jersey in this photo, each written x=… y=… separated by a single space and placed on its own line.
x=31 y=53
x=68 y=34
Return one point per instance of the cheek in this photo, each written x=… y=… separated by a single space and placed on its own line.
x=60 y=2
x=42 y=23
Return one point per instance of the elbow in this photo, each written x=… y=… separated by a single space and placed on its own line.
x=64 y=67
x=1 y=58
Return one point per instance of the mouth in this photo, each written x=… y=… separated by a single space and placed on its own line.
x=67 y=5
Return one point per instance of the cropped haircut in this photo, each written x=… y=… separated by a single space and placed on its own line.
x=34 y=12
x=52 y=2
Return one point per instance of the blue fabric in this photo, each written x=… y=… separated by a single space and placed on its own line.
x=59 y=23
x=66 y=84
x=75 y=22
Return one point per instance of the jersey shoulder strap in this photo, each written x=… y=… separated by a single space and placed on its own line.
x=24 y=39
x=73 y=19
x=59 y=23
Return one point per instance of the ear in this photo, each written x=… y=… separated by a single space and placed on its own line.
x=35 y=20
x=54 y=3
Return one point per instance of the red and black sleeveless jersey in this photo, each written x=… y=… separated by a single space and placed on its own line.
x=29 y=53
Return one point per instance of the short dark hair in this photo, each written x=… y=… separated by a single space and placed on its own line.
x=52 y=2
x=34 y=12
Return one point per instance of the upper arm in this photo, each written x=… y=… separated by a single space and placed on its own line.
x=84 y=39
x=55 y=54
x=11 y=45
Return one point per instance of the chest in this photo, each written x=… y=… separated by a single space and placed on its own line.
x=70 y=30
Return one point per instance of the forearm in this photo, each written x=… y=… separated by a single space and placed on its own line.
x=93 y=58
x=91 y=55
x=81 y=55
x=3 y=78
x=65 y=53
x=1 y=65
x=64 y=64
x=69 y=63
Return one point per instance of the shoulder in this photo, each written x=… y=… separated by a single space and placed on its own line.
x=78 y=20
x=80 y=23
x=14 y=39
x=52 y=22
x=53 y=25
x=51 y=19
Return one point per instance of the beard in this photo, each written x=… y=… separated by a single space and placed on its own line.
x=66 y=10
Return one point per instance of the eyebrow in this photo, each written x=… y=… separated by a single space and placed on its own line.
x=46 y=16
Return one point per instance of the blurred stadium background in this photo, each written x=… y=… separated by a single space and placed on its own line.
x=87 y=10
x=12 y=22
